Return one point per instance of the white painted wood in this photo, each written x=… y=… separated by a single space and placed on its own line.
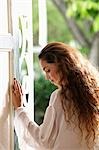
x=42 y=22
x=6 y=42
x=3 y=17
x=23 y=10
x=6 y=110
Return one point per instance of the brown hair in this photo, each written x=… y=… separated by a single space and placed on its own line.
x=81 y=86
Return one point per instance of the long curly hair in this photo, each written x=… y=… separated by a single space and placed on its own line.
x=80 y=91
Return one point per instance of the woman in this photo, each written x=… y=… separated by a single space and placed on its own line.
x=71 y=121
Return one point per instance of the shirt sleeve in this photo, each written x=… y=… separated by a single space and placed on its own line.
x=25 y=140
x=45 y=134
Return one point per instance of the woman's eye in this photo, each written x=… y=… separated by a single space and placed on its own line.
x=47 y=71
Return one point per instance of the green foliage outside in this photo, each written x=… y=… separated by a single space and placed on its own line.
x=57 y=29
x=83 y=10
x=43 y=89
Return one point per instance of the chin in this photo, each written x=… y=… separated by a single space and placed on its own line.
x=56 y=84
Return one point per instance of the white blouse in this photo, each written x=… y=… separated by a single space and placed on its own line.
x=53 y=134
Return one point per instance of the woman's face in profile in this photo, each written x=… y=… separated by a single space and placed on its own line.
x=51 y=72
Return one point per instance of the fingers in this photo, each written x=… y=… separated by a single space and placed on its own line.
x=16 y=87
x=16 y=94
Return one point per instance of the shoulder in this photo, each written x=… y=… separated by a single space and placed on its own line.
x=54 y=93
x=54 y=96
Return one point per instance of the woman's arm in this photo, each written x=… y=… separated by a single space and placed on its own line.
x=46 y=133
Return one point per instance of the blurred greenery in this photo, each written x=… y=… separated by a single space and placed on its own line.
x=85 y=10
x=43 y=89
x=57 y=29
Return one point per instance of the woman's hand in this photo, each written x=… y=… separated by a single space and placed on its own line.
x=16 y=94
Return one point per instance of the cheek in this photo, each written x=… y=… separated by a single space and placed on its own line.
x=54 y=75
